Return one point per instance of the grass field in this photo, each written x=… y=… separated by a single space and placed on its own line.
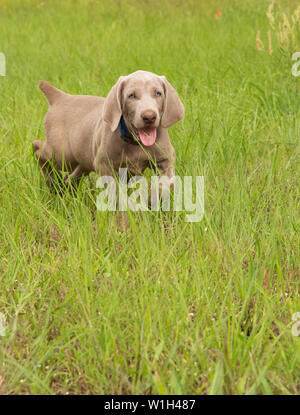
x=165 y=307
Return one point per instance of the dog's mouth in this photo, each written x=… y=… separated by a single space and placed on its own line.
x=147 y=135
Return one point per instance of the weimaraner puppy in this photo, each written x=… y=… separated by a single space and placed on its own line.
x=127 y=129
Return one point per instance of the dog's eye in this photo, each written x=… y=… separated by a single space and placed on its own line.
x=131 y=95
x=158 y=94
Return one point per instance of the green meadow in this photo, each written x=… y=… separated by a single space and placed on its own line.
x=163 y=306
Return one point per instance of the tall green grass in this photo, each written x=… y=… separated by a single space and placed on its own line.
x=164 y=307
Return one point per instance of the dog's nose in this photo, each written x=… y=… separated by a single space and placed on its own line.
x=149 y=116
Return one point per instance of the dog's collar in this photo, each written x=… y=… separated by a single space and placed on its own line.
x=125 y=134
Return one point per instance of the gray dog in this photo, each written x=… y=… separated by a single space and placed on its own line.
x=127 y=129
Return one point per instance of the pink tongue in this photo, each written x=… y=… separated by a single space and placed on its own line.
x=147 y=136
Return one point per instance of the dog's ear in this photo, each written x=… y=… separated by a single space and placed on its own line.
x=173 y=108
x=112 y=110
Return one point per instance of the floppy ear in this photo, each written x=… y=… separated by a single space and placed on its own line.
x=174 y=110
x=112 y=110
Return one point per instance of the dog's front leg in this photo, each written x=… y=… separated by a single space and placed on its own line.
x=161 y=187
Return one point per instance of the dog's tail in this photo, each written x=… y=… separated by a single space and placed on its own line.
x=51 y=93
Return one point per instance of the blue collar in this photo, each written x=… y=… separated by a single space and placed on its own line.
x=125 y=134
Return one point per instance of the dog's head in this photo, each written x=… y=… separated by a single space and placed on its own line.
x=146 y=101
